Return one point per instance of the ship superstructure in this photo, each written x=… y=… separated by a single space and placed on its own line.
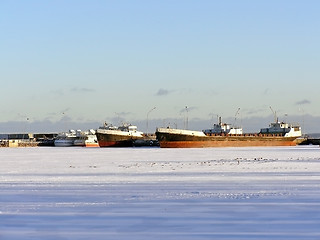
x=86 y=139
x=66 y=139
x=282 y=128
x=223 y=128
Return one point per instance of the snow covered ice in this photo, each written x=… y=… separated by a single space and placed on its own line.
x=153 y=193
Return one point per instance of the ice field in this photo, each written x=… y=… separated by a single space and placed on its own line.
x=152 y=193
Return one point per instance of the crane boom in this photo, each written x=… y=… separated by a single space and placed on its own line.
x=274 y=115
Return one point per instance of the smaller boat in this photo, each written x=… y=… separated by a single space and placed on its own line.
x=86 y=139
x=65 y=139
x=146 y=141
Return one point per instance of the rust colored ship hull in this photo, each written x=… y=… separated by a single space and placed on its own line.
x=171 y=140
x=127 y=143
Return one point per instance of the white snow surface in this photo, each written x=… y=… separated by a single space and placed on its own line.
x=153 y=193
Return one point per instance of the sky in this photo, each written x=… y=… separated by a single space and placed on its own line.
x=94 y=61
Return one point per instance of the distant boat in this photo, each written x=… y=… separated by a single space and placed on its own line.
x=146 y=141
x=86 y=139
x=224 y=135
x=65 y=139
x=122 y=136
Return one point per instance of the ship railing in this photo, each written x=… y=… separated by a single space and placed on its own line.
x=246 y=134
x=271 y=134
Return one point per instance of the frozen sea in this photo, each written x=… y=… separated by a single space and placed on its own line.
x=152 y=193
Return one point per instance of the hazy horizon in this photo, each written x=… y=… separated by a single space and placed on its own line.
x=308 y=123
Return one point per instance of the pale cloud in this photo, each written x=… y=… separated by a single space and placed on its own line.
x=163 y=92
x=82 y=90
x=58 y=92
x=211 y=92
x=123 y=113
x=266 y=91
x=303 y=102
x=253 y=111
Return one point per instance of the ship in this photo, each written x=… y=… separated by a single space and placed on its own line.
x=65 y=139
x=86 y=139
x=122 y=136
x=225 y=135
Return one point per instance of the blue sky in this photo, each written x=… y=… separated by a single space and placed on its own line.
x=91 y=61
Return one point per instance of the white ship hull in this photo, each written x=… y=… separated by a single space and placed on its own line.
x=63 y=142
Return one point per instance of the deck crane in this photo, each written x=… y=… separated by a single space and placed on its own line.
x=235 y=116
x=274 y=114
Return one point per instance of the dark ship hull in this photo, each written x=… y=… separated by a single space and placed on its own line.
x=112 y=140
